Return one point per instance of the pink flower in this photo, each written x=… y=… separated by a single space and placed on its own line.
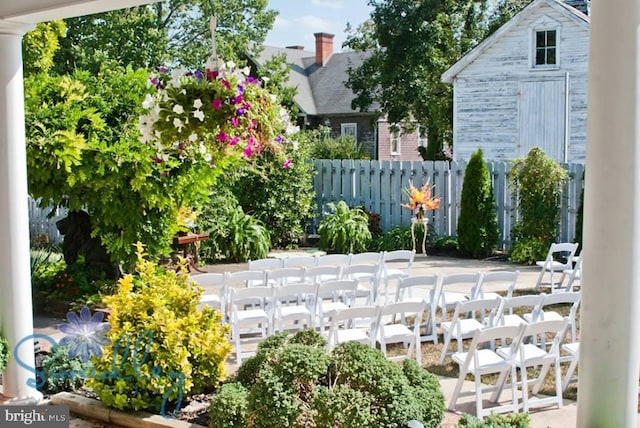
x=234 y=122
x=216 y=104
x=248 y=151
x=287 y=163
x=234 y=141
x=222 y=136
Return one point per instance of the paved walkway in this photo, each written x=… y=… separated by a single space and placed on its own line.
x=551 y=417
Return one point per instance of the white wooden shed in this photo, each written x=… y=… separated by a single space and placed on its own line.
x=525 y=86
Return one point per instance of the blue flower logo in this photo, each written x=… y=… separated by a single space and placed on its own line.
x=85 y=334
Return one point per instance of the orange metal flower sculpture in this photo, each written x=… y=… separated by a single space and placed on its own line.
x=421 y=199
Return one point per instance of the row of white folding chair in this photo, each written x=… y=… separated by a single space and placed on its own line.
x=514 y=351
x=474 y=314
x=394 y=265
x=368 y=324
x=437 y=292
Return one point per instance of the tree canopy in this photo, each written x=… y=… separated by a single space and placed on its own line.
x=410 y=44
x=170 y=32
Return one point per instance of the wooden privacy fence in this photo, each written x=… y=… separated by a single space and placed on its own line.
x=377 y=186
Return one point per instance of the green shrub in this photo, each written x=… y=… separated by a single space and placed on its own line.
x=323 y=146
x=293 y=382
x=495 y=420
x=62 y=373
x=477 y=224
x=538 y=181
x=162 y=346
x=245 y=239
x=4 y=353
x=344 y=229
x=282 y=198
x=445 y=243
x=231 y=403
x=399 y=238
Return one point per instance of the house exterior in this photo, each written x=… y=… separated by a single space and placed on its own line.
x=324 y=100
x=525 y=86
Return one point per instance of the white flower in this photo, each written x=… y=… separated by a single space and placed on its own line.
x=207 y=157
x=148 y=102
x=193 y=137
x=202 y=149
x=199 y=114
x=178 y=109
x=231 y=65
x=178 y=124
x=197 y=103
x=265 y=79
x=295 y=145
x=246 y=71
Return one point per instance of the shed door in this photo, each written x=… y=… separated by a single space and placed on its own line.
x=542 y=113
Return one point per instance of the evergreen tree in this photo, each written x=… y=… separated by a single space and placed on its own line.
x=477 y=225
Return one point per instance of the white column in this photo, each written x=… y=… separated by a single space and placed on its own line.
x=16 y=319
x=610 y=310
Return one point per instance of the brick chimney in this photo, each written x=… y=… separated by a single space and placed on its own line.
x=324 y=48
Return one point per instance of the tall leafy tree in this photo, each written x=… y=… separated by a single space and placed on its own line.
x=172 y=31
x=415 y=42
x=40 y=45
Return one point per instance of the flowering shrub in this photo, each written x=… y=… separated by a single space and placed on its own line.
x=195 y=116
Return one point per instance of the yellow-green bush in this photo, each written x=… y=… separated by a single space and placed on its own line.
x=162 y=347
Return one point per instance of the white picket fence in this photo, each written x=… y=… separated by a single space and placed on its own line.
x=377 y=186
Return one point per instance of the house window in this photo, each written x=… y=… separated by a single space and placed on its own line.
x=546 y=48
x=395 y=143
x=422 y=137
x=349 y=130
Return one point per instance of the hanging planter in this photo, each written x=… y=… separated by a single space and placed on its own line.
x=209 y=117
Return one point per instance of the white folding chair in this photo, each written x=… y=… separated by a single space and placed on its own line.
x=559 y=258
x=455 y=288
x=285 y=276
x=300 y=261
x=293 y=307
x=396 y=265
x=469 y=316
x=395 y=332
x=215 y=291
x=422 y=288
x=319 y=274
x=358 y=324
x=495 y=281
x=506 y=314
x=250 y=313
x=480 y=360
x=531 y=354
x=334 y=260
x=573 y=349
x=264 y=264
x=366 y=258
x=246 y=278
x=572 y=275
x=332 y=296
x=368 y=277
x=543 y=312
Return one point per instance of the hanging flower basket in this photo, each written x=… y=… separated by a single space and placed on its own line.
x=206 y=117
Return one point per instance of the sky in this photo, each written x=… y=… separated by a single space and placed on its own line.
x=299 y=19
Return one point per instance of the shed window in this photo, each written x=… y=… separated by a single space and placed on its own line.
x=546 y=47
x=349 y=130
